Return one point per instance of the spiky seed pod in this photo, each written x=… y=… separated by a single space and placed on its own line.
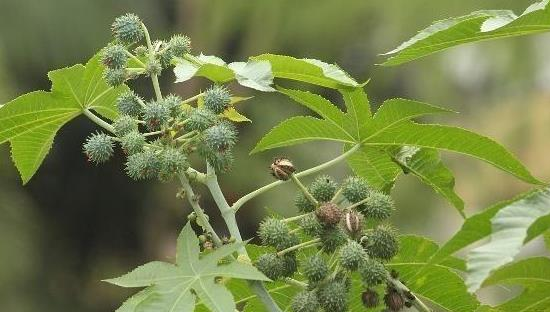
x=378 y=206
x=220 y=137
x=305 y=301
x=273 y=232
x=370 y=298
x=329 y=214
x=220 y=161
x=217 y=99
x=124 y=125
x=316 y=269
x=393 y=300
x=155 y=115
x=332 y=238
x=143 y=165
x=153 y=67
x=141 y=51
x=127 y=28
x=179 y=45
x=333 y=296
x=352 y=255
x=290 y=264
x=282 y=168
x=381 y=242
x=115 y=76
x=303 y=203
x=132 y=142
x=128 y=103
x=373 y=273
x=311 y=226
x=355 y=189
x=271 y=265
x=200 y=119
x=98 y=148
x=353 y=223
x=114 y=56
x=172 y=162
x=323 y=188
x=173 y=103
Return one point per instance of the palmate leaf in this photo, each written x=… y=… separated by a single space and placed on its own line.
x=31 y=121
x=477 y=26
x=376 y=166
x=177 y=287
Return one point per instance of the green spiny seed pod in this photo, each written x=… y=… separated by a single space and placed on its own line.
x=381 y=242
x=153 y=67
x=173 y=102
x=303 y=203
x=332 y=238
x=316 y=269
x=156 y=114
x=370 y=298
x=305 y=301
x=127 y=28
x=355 y=189
x=329 y=214
x=220 y=137
x=290 y=264
x=323 y=188
x=273 y=232
x=115 y=76
x=179 y=45
x=141 y=51
x=352 y=255
x=123 y=125
x=132 y=142
x=333 y=296
x=98 y=148
x=393 y=300
x=378 y=206
x=311 y=226
x=220 y=161
x=200 y=119
x=217 y=99
x=143 y=165
x=172 y=162
x=114 y=56
x=271 y=265
x=128 y=103
x=373 y=273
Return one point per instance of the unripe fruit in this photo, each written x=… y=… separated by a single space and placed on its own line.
x=282 y=168
x=370 y=298
x=153 y=67
x=323 y=188
x=273 y=232
x=381 y=242
x=179 y=45
x=141 y=51
x=132 y=142
x=378 y=206
x=173 y=103
x=393 y=300
x=217 y=99
x=311 y=226
x=332 y=238
x=220 y=137
x=303 y=203
x=124 y=125
x=333 y=297
x=270 y=265
x=98 y=148
x=290 y=265
x=353 y=223
x=305 y=301
x=172 y=162
x=316 y=269
x=143 y=165
x=127 y=28
x=352 y=255
x=329 y=214
x=220 y=161
x=156 y=114
x=355 y=189
x=114 y=56
x=373 y=273
x=115 y=76
x=128 y=103
x=200 y=119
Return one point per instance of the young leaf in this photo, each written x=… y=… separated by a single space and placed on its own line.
x=477 y=26
x=376 y=166
x=509 y=231
x=176 y=287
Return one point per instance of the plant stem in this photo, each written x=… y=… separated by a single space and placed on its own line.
x=294 y=282
x=295 y=218
x=153 y=133
x=100 y=122
x=404 y=290
x=133 y=57
x=239 y=203
x=311 y=243
x=193 y=98
x=359 y=203
x=154 y=77
x=304 y=190
x=229 y=217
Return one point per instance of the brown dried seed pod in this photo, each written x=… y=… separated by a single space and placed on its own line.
x=329 y=214
x=393 y=300
x=353 y=223
x=282 y=168
x=369 y=298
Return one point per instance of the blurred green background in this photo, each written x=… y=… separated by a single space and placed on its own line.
x=75 y=224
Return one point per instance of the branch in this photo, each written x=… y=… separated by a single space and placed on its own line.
x=406 y=293
x=100 y=122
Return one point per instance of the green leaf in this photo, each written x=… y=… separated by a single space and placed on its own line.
x=534 y=276
x=376 y=166
x=301 y=129
x=477 y=26
x=31 y=121
x=358 y=109
x=307 y=70
x=254 y=74
x=509 y=231
x=426 y=164
x=176 y=287
x=547 y=239
x=451 y=139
